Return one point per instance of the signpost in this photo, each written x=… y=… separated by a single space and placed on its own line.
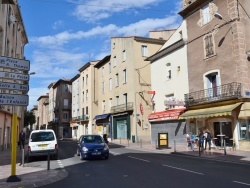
x=14 y=99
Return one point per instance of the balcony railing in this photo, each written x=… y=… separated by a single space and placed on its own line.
x=223 y=92
x=122 y=108
x=83 y=117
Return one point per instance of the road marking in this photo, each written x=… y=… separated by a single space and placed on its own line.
x=139 y=159
x=183 y=169
x=114 y=153
x=60 y=163
x=241 y=183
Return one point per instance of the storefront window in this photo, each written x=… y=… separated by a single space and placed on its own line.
x=244 y=129
x=192 y=127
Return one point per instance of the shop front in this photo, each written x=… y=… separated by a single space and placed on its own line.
x=168 y=122
x=222 y=121
x=121 y=126
x=102 y=124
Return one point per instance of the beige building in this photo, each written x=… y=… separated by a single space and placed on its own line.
x=35 y=112
x=123 y=103
x=218 y=49
x=42 y=111
x=12 y=41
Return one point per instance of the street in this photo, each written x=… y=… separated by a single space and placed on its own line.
x=133 y=168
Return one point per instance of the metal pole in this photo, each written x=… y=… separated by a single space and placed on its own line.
x=225 y=152
x=48 y=158
x=120 y=140
x=140 y=143
x=23 y=157
x=174 y=146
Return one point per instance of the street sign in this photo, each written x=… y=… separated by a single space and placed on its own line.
x=13 y=99
x=141 y=109
x=151 y=92
x=12 y=63
x=14 y=86
x=14 y=76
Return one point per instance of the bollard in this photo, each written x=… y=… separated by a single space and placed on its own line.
x=23 y=157
x=156 y=144
x=120 y=140
x=225 y=152
x=128 y=142
x=174 y=146
x=199 y=148
x=140 y=143
x=48 y=158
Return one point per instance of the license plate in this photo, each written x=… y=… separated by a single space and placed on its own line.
x=96 y=153
x=42 y=145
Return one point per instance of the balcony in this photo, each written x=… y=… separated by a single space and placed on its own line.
x=82 y=118
x=122 y=108
x=223 y=92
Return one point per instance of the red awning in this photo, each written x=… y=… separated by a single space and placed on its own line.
x=167 y=114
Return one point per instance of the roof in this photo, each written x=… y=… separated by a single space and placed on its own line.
x=145 y=40
x=166 y=51
x=43 y=96
x=103 y=61
x=75 y=77
x=61 y=81
x=86 y=65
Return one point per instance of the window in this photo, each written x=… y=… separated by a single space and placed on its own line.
x=87 y=80
x=65 y=116
x=169 y=74
x=103 y=106
x=144 y=51
x=103 y=87
x=110 y=102
x=125 y=98
x=117 y=80
x=109 y=67
x=114 y=61
x=102 y=71
x=113 y=45
x=83 y=111
x=124 y=76
x=206 y=15
x=244 y=129
x=83 y=96
x=66 y=103
x=110 y=84
x=66 y=89
x=83 y=82
x=117 y=100
x=209 y=46
x=87 y=95
x=124 y=55
x=87 y=110
x=212 y=83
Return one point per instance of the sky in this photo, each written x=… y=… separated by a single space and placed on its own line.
x=63 y=35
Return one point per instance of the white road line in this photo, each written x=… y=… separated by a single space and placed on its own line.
x=183 y=169
x=139 y=159
x=114 y=153
x=60 y=163
x=241 y=183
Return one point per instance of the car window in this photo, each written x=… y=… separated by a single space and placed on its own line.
x=92 y=139
x=42 y=136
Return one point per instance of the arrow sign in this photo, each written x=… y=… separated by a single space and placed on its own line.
x=15 y=100
x=14 y=86
x=14 y=76
x=13 y=63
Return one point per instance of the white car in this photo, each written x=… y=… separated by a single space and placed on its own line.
x=42 y=143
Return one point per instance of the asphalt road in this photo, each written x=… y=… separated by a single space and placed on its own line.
x=136 y=169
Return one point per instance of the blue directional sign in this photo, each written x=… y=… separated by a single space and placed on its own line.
x=13 y=63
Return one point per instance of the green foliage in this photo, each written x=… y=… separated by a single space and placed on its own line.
x=29 y=118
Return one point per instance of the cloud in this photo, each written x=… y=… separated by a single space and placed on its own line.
x=96 y=10
x=140 y=28
x=57 y=24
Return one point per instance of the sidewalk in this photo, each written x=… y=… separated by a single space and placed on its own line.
x=30 y=176
x=182 y=149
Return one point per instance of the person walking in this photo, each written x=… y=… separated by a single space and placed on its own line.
x=201 y=138
x=208 y=139
x=22 y=139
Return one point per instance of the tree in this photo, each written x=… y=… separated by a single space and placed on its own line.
x=29 y=118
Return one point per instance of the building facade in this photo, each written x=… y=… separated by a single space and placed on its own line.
x=13 y=38
x=42 y=111
x=218 y=70
x=169 y=86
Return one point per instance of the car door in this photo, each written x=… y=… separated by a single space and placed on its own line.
x=79 y=143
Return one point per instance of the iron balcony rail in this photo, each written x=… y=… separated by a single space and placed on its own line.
x=83 y=117
x=223 y=92
x=122 y=107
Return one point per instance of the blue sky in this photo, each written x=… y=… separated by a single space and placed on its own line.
x=65 y=34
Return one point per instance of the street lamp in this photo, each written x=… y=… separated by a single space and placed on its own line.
x=219 y=16
x=32 y=73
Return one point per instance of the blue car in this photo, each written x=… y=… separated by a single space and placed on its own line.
x=92 y=146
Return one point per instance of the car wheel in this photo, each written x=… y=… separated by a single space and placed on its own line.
x=107 y=157
x=77 y=152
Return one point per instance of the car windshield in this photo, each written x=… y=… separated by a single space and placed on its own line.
x=92 y=139
x=42 y=136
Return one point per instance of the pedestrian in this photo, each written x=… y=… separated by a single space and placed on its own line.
x=208 y=138
x=190 y=140
x=22 y=139
x=201 y=138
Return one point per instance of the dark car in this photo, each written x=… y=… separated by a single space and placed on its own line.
x=92 y=146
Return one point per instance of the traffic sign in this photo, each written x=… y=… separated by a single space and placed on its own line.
x=151 y=92
x=13 y=63
x=14 y=86
x=14 y=76
x=14 y=99
x=141 y=109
